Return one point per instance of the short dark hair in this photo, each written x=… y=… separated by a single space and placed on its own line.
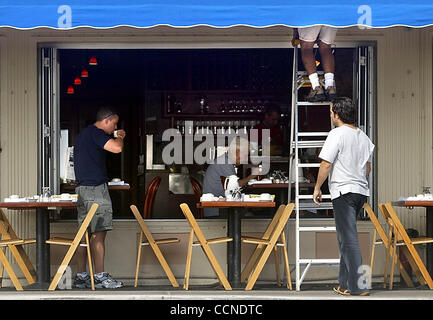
x=272 y=107
x=105 y=112
x=345 y=109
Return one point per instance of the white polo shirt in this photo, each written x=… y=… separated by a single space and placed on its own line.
x=348 y=150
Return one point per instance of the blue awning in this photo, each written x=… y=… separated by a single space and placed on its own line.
x=61 y=14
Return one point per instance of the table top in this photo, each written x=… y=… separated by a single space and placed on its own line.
x=416 y=203
x=278 y=185
x=69 y=187
x=37 y=204
x=234 y=204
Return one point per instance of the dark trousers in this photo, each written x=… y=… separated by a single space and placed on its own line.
x=346 y=209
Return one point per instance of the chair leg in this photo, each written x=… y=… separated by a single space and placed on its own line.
x=164 y=264
x=388 y=254
x=286 y=261
x=24 y=263
x=137 y=268
x=10 y=271
x=277 y=265
x=2 y=268
x=373 y=250
x=63 y=266
x=188 y=260
x=259 y=266
x=89 y=259
x=215 y=266
x=394 y=252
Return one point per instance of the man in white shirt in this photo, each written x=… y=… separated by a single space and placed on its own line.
x=346 y=162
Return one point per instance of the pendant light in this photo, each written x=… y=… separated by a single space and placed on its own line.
x=93 y=61
x=77 y=81
x=84 y=73
x=70 y=90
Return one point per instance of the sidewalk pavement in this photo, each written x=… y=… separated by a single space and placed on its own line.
x=261 y=292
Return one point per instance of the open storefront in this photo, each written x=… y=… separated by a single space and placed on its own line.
x=150 y=73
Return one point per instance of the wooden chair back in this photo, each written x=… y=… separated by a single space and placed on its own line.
x=376 y=224
x=408 y=242
x=149 y=198
x=192 y=222
x=197 y=194
x=143 y=225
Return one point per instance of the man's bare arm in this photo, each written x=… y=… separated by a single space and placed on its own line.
x=325 y=168
x=115 y=145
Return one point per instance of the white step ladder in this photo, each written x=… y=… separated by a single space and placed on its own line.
x=314 y=140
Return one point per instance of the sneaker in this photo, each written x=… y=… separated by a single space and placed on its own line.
x=82 y=282
x=316 y=95
x=106 y=281
x=331 y=93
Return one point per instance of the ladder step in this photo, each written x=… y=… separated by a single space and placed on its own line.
x=310 y=196
x=317 y=229
x=313 y=134
x=304 y=73
x=313 y=206
x=319 y=261
x=308 y=165
x=309 y=144
x=319 y=104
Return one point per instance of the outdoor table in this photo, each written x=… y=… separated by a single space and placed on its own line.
x=43 y=273
x=282 y=188
x=42 y=234
x=234 y=231
x=429 y=225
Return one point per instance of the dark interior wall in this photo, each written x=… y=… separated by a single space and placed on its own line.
x=138 y=82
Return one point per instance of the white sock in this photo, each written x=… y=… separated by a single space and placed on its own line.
x=99 y=275
x=82 y=274
x=314 y=79
x=329 y=80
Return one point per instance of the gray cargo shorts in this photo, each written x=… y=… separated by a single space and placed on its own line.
x=88 y=195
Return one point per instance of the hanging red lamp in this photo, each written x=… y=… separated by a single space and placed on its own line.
x=77 y=81
x=70 y=90
x=84 y=73
x=93 y=61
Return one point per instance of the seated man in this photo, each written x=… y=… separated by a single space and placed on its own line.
x=224 y=166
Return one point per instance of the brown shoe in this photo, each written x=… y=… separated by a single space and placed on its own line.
x=331 y=93
x=343 y=292
x=316 y=95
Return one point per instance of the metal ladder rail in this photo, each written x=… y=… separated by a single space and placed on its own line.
x=296 y=145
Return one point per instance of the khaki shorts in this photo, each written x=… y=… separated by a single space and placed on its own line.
x=323 y=33
x=88 y=195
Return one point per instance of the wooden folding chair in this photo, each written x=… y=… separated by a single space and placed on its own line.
x=269 y=242
x=379 y=238
x=398 y=242
x=260 y=247
x=154 y=245
x=400 y=235
x=73 y=245
x=11 y=240
x=204 y=243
